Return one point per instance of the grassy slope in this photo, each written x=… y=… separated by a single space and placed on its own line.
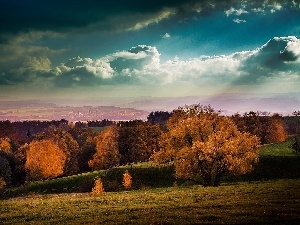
x=275 y=200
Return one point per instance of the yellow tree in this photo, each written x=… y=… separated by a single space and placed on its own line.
x=107 y=152
x=203 y=143
x=276 y=129
x=45 y=159
x=5 y=145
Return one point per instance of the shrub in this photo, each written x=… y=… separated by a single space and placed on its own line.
x=127 y=180
x=2 y=183
x=98 y=189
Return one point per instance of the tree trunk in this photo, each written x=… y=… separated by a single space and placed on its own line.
x=217 y=180
x=207 y=181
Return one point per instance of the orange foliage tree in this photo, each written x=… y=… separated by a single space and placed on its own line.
x=277 y=132
x=45 y=159
x=203 y=143
x=5 y=145
x=54 y=151
x=107 y=152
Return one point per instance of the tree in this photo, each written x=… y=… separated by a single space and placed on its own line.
x=107 y=152
x=295 y=146
x=159 y=117
x=51 y=154
x=45 y=159
x=277 y=132
x=5 y=169
x=5 y=144
x=85 y=138
x=269 y=128
x=66 y=143
x=137 y=141
x=203 y=143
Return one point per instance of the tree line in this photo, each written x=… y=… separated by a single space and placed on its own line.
x=196 y=138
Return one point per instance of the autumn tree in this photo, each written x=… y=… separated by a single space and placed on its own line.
x=269 y=128
x=107 y=152
x=203 y=143
x=5 y=144
x=277 y=132
x=45 y=159
x=52 y=153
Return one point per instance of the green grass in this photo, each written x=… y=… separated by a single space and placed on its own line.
x=278 y=149
x=272 y=202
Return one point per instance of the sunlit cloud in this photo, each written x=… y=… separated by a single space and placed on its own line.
x=279 y=59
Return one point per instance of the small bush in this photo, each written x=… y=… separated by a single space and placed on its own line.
x=127 y=180
x=2 y=183
x=98 y=189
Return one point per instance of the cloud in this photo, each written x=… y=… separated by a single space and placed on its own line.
x=258 y=10
x=115 y=15
x=239 y=21
x=166 y=36
x=275 y=7
x=277 y=60
x=279 y=57
x=21 y=59
x=233 y=11
x=152 y=19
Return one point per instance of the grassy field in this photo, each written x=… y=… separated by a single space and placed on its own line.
x=268 y=195
x=273 y=202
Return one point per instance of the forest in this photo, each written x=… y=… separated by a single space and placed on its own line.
x=197 y=139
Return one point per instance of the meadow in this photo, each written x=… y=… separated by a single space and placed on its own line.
x=268 y=195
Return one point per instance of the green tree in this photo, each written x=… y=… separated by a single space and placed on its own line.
x=85 y=138
x=203 y=143
x=5 y=169
x=295 y=146
x=137 y=141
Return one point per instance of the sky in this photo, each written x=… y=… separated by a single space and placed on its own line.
x=119 y=49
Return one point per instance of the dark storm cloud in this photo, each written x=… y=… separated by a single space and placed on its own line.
x=61 y=15
x=280 y=55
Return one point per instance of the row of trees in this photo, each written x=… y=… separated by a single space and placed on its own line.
x=196 y=138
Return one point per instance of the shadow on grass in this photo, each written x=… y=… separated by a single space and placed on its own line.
x=268 y=168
